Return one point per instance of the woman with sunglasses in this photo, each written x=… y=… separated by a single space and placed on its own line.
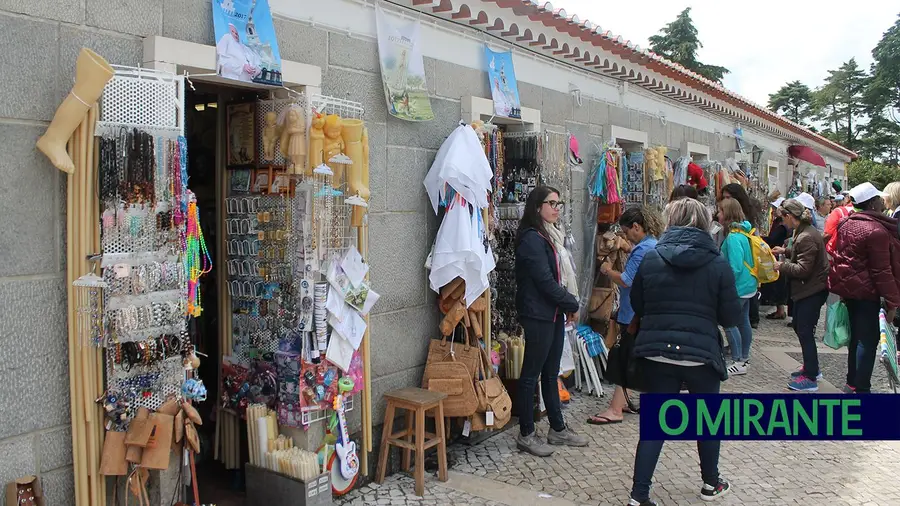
x=546 y=296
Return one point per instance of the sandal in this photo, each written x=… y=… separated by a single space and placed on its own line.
x=601 y=420
x=775 y=316
x=631 y=410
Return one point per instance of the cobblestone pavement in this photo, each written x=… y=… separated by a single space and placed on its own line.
x=761 y=473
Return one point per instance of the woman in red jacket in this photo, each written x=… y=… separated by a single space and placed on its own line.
x=865 y=267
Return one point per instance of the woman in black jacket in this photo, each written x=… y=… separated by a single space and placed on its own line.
x=543 y=304
x=683 y=291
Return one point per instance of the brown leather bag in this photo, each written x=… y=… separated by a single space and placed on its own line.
x=492 y=395
x=602 y=303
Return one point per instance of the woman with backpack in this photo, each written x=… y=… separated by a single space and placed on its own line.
x=807 y=269
x=752 y=211
x=737 y=250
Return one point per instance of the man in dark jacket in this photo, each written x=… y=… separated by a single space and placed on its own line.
x=683 y=291
x=865 y=267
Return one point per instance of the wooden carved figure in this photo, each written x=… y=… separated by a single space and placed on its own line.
x=334 y=145
x=293 y=140
x=316 y=141
x=270 y=136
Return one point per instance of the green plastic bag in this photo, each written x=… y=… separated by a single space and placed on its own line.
x=837 y=326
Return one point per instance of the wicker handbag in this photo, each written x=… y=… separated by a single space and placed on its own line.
x=454 y=379
x=440 y=350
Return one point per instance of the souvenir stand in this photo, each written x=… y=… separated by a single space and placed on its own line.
x=298 y=288
x=297 y=292
x=133 y=233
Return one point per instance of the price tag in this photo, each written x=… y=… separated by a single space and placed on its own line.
x=122 y=270
x=489 y=418
x=467 y=428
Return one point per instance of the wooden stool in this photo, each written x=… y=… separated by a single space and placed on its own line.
x=415 y=401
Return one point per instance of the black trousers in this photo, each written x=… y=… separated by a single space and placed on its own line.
x=544 y=343
x=754 y=310
x=806 y=319
x=667 y=378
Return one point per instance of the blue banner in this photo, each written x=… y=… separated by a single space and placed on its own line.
x=771 y=417
x=246 y=47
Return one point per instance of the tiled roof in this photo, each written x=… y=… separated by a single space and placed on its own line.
x=590 y=37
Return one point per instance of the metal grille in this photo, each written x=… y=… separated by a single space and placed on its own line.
x=151 y=100
x=332 y=105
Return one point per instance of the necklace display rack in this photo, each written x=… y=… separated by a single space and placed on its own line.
x=116 y=176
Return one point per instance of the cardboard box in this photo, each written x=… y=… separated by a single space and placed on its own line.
x=276 y=489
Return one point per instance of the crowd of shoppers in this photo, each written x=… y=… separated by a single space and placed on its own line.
x=691 y=272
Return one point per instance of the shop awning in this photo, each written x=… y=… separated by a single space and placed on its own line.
x=806 y=154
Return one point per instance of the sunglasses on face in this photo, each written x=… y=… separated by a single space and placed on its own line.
x=555 y=204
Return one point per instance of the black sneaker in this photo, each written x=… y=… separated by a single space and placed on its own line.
x=648 y=502
x=713 y=492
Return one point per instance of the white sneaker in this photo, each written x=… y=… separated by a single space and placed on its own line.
x=738 y=368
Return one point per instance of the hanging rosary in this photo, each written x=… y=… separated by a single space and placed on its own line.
x=197 y=261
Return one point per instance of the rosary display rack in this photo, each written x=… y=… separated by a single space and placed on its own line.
x=142 y=189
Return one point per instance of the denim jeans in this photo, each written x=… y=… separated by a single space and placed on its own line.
x=865 y=334
x=667 y=378
x=544 y=343
x=806 y=319
x=741 y=337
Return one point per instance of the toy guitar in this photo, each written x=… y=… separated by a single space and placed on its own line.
x=345 y=447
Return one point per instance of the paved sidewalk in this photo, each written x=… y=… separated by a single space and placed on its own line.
x=762 y=473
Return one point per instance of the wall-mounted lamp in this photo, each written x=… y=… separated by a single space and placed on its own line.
x=576 y=92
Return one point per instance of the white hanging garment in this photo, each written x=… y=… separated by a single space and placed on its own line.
x=462 y=164
x=460 y=251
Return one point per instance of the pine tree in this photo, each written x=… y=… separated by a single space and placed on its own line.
x=678 y=42
x=839 y=103
x=793 y=101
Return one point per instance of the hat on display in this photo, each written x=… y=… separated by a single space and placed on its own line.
x=807 y=200
x=777 y=202
x=793 y=207
x=865 y=192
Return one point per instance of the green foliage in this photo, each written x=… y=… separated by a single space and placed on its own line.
x=792 y=101
x=862 y=169
x=839 y=102
x=678 y=41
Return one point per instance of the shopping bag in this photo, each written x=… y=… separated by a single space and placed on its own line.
x=837 y=326
x=567 y=362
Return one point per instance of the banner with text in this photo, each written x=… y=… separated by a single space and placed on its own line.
x=504 y=87
x=402 y=69
x=770 y=417
x=247 y=49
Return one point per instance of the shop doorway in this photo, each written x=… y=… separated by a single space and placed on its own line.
x=204 y=123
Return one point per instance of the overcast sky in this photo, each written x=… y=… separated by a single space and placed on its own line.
x=765 y=43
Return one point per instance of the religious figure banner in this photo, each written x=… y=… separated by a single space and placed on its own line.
x=246 y=47
x=504 y=87
x=402 y=69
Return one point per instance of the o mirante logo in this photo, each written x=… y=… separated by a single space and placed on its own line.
x=770 y=416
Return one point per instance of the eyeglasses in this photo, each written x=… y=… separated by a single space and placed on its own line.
x=555 y=204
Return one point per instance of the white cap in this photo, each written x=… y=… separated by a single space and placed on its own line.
x=864 y=192
x=839 y=197
x=807 y=200
x=777 y=202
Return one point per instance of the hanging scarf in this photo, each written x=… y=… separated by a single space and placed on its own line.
x=566 y=264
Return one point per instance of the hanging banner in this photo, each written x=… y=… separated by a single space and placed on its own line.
x=402 y=69
x=504 y=88
x=247 y=49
